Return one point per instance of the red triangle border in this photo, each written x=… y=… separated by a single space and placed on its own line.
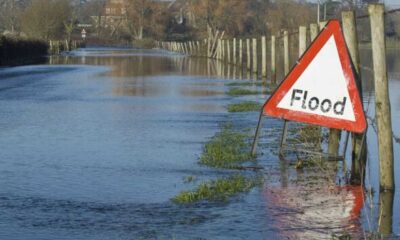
x=270 y=107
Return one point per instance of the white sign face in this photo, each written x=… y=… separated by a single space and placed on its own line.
x=322 y=89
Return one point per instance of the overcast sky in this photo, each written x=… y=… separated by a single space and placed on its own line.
x=391 y=3
x=394 y=3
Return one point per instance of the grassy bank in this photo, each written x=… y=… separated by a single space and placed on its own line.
x=19 y=50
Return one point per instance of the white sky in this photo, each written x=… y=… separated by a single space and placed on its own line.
x=393 y=3
x=390 y=3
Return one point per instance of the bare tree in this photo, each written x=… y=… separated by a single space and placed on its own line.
x=136 y=11
x=44 y=19
x=92 y=11
x=10 y=11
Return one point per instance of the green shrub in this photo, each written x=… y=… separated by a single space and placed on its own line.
x=13 y=48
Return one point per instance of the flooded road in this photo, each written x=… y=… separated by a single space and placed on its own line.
x=96 y=143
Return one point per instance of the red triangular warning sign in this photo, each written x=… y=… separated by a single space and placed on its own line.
x=321 y=89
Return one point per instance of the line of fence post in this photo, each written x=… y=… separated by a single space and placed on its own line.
x=58 y=46
x=231 y=51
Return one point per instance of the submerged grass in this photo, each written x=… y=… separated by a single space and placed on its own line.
x=247 y=106
x=247 y=83
x=226 y=149
x=241 y=91
x=218 y=190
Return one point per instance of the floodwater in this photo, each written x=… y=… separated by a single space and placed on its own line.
x=95 y=143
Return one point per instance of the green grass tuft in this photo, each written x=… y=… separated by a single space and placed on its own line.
x=241 y=91
x=247 y=83
x=247 y=106
x=218 y=190
x=189 y=179
x=226 y=150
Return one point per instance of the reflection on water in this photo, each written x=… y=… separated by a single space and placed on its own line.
x=141 y=63
x=302 y=214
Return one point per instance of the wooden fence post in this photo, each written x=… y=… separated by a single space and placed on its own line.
x=385 y=227
x=234 y=51
x=302 y=40
x=187 y=48
x=209 y=47
x=286 y=52
x=50 y=47
x=67 y=46
x=219 y=50
x=273 y=59
x=228 y=51
x=263 y=56
x=223 y=55
x=248 y=54
x=192 y=48
x=241 y=52
x=313 y=31
x=359 y=156
x=322 y=25
x=255 y=63
x=382 y=102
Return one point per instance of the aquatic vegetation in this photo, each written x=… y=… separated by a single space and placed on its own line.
x=248 y=106
x=241 y=91
x=218 y=190
x=246 y=83
x=189 y=179
x=313 y=162
x=305 y=133
x=226 y=149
